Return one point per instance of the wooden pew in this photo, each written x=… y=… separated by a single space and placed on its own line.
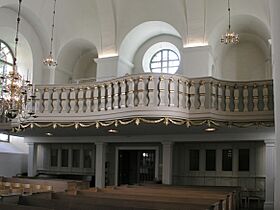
x=4 y=206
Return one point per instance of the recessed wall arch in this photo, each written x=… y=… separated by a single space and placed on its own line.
x=250 y=59
x=76 y=61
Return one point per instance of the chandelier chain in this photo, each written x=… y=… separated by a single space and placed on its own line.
x=53 y=25
x=17 y=32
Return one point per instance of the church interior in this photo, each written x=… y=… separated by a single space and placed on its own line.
x=139 y=105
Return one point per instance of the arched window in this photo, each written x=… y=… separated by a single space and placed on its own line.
x=6 y=58
x=162 y=57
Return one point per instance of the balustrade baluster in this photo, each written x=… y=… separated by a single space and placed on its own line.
x=116 y=95
x=245 y=98
x=109 y=101
x=236 y=98
x=73 y=100
x=227 y=95
x=88 y=100
x=265 y=97
x=171 y=92
x=81 y=100
x=202 y=91
x=130 y=94
x=192 y=95
x=102 y=97
x=141 y=94
x=187 y=95
x=255 y=97
x=95 y=99
x=64 y=100
x=38 y=101
x=214 y=96
x=161 y=90
x=151 y=87
x=123 y=94
x=181 y=91
x=220 y=97
x=55 y=101
x=46 y=99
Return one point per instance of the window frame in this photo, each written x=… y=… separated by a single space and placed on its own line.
x=223 y=160
x=191 y=165
x=240 y=161
x=10 y=51
x=161 y=61
x=215 y=160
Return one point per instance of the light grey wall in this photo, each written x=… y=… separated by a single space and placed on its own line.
x=12 y=164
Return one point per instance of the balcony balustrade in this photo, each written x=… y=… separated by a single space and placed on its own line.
x=154 y=96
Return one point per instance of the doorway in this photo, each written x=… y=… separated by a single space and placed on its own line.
x=136 y=166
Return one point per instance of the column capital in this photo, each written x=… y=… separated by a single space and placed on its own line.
x=269 y=142
x=100 y=143
x=167 y=143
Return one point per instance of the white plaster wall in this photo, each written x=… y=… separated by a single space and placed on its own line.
x=30 y=49
x=245 y=61
x=85 y=67
x=197 y=61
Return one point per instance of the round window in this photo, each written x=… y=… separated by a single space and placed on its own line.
x=162 y=57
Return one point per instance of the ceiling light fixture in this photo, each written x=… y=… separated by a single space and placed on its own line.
x=113 y=131
x=210 y=129
x=49 y=61
x=49 y=134
x=17 y=98
x=230 y=37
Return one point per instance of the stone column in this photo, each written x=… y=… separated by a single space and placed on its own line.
x=100 y=164
x=32 y=159
x=275 y=32
x=269 y=171
x=167 y=153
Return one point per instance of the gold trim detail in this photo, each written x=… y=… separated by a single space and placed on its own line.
x=138 y=120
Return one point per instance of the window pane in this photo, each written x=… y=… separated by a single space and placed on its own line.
x=227 y=160
x=64 y=157
x=194 y=160
x=155 y=65
x=173 y=56
x=157 y=57
x=54 y=157
x=244 y=159
x=164 y=55
x=174 y=63
x=164 y=64
x=87 y=158
x=210 y=160
x=157 y=70
x=76 y=158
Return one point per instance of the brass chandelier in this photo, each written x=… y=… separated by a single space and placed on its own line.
x=16 y=94
x=230 y=37
x=49 y=61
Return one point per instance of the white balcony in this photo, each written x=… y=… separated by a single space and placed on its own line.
x=154 y=98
